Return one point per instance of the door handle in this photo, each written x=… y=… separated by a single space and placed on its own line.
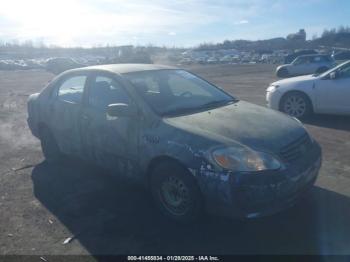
x=86 y=117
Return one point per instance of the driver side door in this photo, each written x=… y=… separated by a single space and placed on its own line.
x=333 y=95
x=111 y=142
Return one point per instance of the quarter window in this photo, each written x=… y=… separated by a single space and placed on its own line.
x=71 y=90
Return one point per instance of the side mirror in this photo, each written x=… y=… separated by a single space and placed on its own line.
x=333 y=75
x=121 y=110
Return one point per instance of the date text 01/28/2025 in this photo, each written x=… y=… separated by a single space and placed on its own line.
x=173 y=258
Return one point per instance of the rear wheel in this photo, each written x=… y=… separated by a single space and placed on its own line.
x=296 y=104
x=49 y=146
x=175 y=192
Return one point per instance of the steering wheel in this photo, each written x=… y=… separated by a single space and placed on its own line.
x=186 y=94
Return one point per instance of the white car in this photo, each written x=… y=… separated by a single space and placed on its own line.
x=301 y=96
x=306 y=64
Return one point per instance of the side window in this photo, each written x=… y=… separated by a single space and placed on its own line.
x=300 y=61
x=317 y=59
x=105 y=91
x=71 y=90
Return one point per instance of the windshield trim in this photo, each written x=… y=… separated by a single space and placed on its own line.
x=195 y=110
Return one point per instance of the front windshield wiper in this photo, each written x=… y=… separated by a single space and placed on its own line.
x=184 y=110
x=214 y=104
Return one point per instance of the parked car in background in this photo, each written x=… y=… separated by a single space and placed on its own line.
x=195 y=146
x=306 y=64
x=58 y=65
x=341 y=56
x=301 y=96
x=291 y=57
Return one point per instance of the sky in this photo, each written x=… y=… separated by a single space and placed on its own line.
x=180 y=23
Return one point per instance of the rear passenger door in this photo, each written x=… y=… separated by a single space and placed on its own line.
x=65 y=113
x=111 y=142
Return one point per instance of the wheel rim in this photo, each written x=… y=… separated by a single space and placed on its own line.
x=175 y=196
x=295 y=106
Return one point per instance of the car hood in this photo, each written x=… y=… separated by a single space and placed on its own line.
x=295 y=79
x=254 y=126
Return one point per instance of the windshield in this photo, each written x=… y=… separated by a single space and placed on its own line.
x=176 y=92
x=345 y=64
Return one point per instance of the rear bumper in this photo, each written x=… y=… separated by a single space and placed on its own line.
x=260 y=194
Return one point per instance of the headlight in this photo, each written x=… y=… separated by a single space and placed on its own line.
x=244 y=159
x=272 y=87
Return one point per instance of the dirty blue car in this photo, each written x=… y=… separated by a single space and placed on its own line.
x=194 y=146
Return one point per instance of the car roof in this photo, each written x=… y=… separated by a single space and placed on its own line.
x=124 y=68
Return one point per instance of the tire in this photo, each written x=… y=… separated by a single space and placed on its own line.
x=176 y=192
x=321 y=70
x=283 y=73
x=49 y=146
x=296 y=104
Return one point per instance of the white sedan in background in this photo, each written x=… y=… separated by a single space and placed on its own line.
x=301 y=96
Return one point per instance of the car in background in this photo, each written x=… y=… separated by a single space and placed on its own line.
x=291 y=57
x=192 y=144
x=301 y=96
x=341 y=56
x=306 y=64
x=58 y=65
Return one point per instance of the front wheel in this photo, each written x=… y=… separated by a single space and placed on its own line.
x=296 y=104
x=175 y=192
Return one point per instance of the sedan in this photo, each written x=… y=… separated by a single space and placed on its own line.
x=299 y=97
x=194 y=146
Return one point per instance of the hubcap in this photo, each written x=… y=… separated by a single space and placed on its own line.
x=295 y=106
x=175 y=195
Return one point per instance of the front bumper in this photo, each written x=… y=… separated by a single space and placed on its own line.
x=259 y=194
x=273 y=98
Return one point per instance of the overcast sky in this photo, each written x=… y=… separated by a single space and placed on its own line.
x=170 y=23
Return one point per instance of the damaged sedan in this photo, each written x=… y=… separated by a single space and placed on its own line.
x=193 y=145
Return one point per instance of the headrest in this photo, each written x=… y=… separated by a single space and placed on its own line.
x=141 y=86
x=102 y=85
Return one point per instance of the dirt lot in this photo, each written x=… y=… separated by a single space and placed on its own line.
x=42 y=205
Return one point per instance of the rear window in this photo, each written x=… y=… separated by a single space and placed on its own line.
x=71 y=90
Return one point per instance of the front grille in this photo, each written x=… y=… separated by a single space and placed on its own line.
x=296 y=149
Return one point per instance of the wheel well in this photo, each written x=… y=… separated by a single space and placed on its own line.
x=295 y=92
x=41 y=126
x=158 y=160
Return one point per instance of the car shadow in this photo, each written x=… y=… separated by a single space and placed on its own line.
x=329 y=121
x=112 y=216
